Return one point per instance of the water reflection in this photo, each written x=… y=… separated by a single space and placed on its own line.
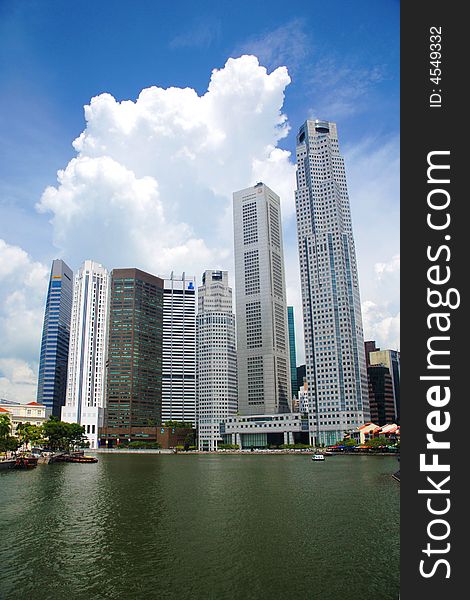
x=201 y=527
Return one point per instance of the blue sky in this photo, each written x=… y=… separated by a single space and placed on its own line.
x=342 y=59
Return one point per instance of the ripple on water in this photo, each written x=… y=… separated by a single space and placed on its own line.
x=201 y=527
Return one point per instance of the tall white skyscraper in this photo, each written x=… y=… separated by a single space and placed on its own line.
x=216 y=358
x=179 y=349
x=334 y=345
x=261 y=309
x=85 y=396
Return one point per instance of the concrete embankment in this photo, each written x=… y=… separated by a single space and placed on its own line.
x=232 y=452
x=130 y=451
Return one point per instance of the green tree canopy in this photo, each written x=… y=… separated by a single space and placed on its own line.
x=182 y=424
x=350 y=442
x=29 y=434
x=376 y=442
x=188 y=441
x=63 y=436
x=5 y=426
x=75 y=434
x=8 y=442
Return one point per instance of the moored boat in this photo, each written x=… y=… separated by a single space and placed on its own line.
x=318 y=457
x=25 y=462
x=82 y=459
x=74 y=457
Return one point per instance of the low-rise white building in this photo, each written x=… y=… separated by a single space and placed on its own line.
x=369 y=431
x=32 y=412
x=262 y=431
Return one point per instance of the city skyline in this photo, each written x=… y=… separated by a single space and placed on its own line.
x=200 y=298
x=131 y=331
x=163 y=188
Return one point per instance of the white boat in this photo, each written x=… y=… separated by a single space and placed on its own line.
x=318 y=457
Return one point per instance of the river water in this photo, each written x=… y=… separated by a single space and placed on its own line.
x=201 y=527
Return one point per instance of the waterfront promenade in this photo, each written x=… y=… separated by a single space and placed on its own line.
x=243 y=452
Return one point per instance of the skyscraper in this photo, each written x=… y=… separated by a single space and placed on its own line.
x=391 y=360
x=262 y=336
x=216 y=359
x=369 y=347
x=292 y=354
x=85 y=398
x=334 y=343
x=52 y=380
x=134 y=356
x=179 y=349
x=301 y=374
x=381 y=398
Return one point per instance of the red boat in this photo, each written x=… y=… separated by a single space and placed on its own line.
x=25 y=462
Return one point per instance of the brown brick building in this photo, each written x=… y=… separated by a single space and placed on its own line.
x=167 y=437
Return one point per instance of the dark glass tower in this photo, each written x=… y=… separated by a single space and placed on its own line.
x=381 y=397
x=52 y=379
x=301 y=374
x=134 y=360
x=292 y=353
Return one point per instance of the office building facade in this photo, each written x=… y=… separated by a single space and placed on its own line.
x=216 y=359
x=179 y=349
x=301 y=374
x=334 y=341
x=85 y=398
x=262 y=334
x=134 y=355
x=264 y=431
x=292 y=353
x=381 y=398
x=391 y=360
x=52 y=380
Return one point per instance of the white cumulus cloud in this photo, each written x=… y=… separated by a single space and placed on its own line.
x=152 y=182
x=23 y=285
x=381 y=325
x=392 y=266
x=18 y=380
x=381 y=308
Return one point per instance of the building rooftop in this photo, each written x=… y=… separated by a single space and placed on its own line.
x=391 y=428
